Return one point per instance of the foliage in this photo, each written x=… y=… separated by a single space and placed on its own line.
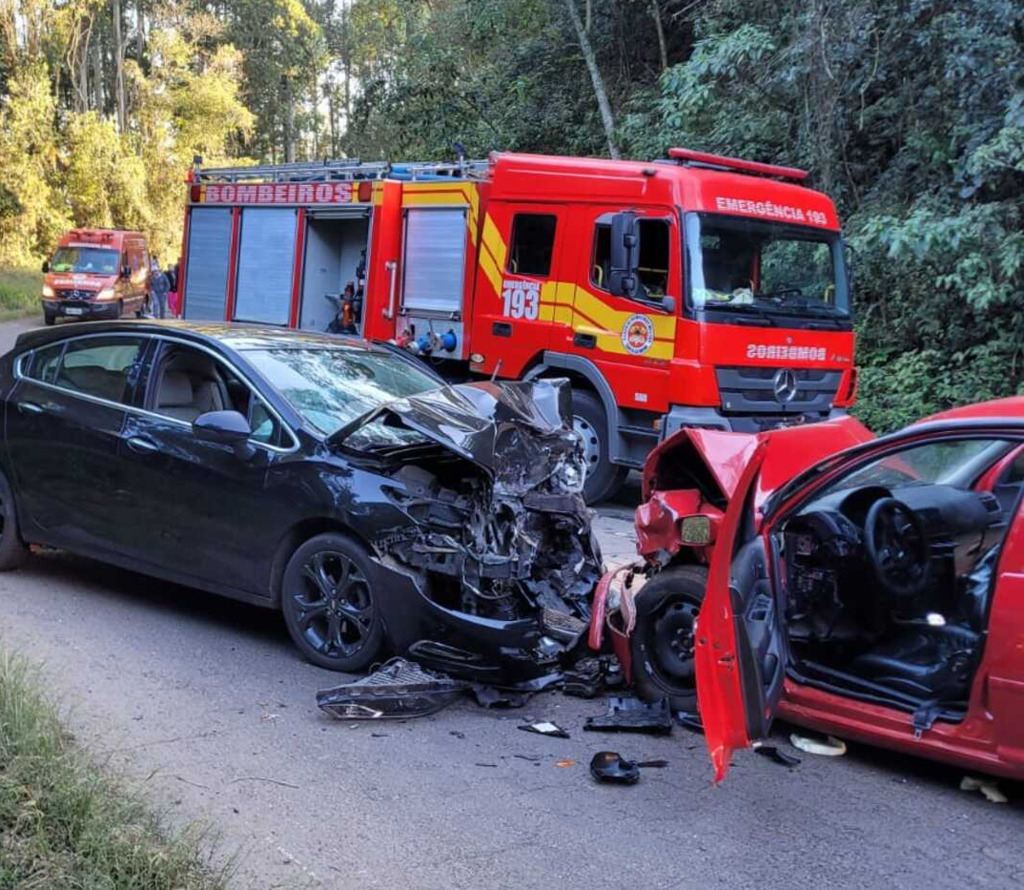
x=909 y=113
x=63 y=823
x=20 y=290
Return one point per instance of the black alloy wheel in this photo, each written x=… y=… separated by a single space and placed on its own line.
x=328 y=604
x=12 y=549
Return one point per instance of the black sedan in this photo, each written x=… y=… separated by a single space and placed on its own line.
x=343 y=482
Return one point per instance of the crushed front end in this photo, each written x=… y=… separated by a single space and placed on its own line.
x=490 y=530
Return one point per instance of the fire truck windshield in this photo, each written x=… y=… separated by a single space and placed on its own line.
x=97 y=260
x=772 y=270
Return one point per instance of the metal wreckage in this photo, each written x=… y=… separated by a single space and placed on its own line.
x=489 y=570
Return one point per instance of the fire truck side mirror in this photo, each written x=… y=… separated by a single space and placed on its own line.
x=624 y=254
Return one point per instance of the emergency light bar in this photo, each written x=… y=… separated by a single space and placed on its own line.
x=703 y=159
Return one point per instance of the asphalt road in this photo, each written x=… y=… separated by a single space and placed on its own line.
x=204 y=703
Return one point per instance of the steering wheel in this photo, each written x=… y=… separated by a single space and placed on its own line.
x=785 y=290
x=897 y=547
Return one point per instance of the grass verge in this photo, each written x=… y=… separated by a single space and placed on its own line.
x=19 y=292
x=65 y=824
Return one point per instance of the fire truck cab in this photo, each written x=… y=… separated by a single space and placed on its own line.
x=696 y=290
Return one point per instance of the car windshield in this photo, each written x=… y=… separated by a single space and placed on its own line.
x=958 y=462
x=97 y=260
x=333 y=385
x=762 y=268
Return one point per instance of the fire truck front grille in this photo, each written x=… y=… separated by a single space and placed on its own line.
x=775 y=390
x=76 y=294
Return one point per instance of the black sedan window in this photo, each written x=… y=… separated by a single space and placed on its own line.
x=96 y=366
x=332 y=386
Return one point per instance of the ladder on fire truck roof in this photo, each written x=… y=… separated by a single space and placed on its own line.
x=346 y=170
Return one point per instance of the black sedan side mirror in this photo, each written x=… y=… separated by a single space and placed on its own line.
x=225 y=428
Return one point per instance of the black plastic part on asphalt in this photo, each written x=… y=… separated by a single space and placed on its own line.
x=611 y=768
x=777 y=754
x=400 y=689
x=396 y=690
x=545 y=728
x=633 y=715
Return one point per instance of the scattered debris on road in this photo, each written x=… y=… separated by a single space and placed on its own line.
x=772 y=752
x=632 y=715
x=611 y=768
x=987 y=787
x=826 y=746
x=553 y=730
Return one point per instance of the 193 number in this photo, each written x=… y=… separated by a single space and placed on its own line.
x=521 y=303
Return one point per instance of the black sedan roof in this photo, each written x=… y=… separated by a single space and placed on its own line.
x=236 y=337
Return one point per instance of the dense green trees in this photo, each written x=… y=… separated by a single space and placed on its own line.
x=910 y=113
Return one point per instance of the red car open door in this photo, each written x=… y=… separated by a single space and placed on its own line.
x=740 y=653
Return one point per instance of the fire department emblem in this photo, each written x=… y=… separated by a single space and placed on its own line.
x=637 y=334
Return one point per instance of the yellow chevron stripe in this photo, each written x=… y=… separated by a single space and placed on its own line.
x=494 y=242
x=490 y=270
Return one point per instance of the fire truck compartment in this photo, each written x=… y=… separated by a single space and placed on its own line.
x=335 y=249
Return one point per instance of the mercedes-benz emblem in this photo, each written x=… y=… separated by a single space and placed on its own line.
x=784 y=385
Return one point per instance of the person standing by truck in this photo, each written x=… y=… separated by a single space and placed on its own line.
x=158 y=288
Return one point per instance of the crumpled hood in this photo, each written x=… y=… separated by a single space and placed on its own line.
x=515 y=431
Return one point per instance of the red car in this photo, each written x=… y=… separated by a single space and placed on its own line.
x=868 y=588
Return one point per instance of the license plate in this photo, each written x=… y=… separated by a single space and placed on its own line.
x=73 y=310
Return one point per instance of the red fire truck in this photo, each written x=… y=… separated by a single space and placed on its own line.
x=696 y=290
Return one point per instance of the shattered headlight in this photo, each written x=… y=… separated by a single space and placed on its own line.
x=569 y=474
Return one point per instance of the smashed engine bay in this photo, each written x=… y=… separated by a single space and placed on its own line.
x=490 y=529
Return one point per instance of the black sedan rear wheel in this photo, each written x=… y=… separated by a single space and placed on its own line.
x=12 y=549
x=662 y=644
x=329 y=606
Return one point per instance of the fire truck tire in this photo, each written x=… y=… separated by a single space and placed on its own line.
x=604 y=478
x=329 y=606
x=662 y=643
x=12 y=549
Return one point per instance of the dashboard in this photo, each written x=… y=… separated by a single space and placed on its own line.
x=830 y=592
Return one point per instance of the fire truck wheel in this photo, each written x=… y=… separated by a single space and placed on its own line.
x=662 y=642
x=604 y=478
x=329 y=606
x=12 y=549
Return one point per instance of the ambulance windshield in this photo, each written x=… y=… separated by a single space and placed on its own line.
x=765 y=269
x=97 y=260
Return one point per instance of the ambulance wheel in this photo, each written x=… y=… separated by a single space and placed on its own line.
x=662 y=643
x=49 y=318
x=604 y=478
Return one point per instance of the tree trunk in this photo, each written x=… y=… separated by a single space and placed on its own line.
x=595 y=77
x=662 y=46
x=82 y=63
x=140 y=31
x=289 y=119
x=122 y=113
x=346 y=64
x=98 y=99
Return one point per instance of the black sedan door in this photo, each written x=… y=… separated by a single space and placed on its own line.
x=64 y=417
x=202 y=510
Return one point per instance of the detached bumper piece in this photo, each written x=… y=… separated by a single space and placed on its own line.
x=397 y=690
x=633 y=715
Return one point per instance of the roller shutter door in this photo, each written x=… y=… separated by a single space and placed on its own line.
x=209 y=255
x=435 y=260
x=266 y=259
